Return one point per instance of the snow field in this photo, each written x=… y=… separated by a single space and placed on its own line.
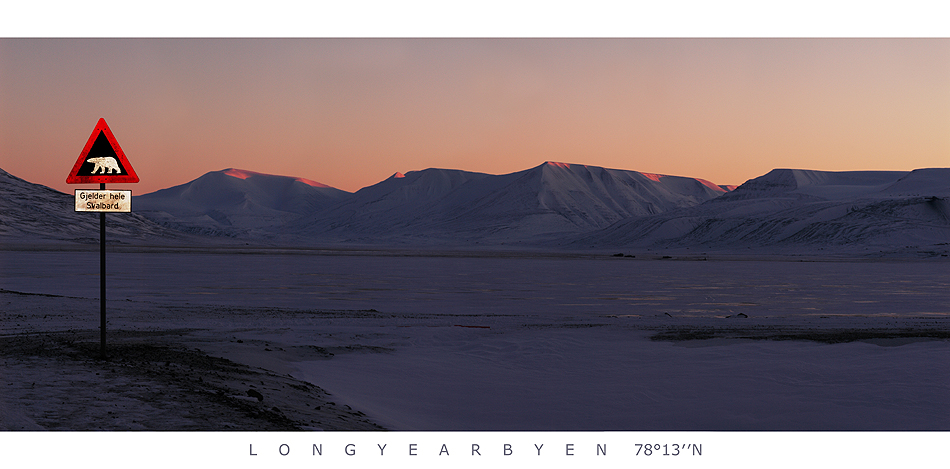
x=530 y=342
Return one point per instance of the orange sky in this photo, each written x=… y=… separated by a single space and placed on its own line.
x=350 y=112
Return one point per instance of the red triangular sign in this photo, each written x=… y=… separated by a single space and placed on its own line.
x=102 y=160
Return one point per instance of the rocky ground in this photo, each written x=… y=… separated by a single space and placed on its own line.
x=152 y=381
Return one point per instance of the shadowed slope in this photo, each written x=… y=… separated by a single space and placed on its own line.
x=32 y=213
x=542 y=202
x=850 y=210
x=234 y=201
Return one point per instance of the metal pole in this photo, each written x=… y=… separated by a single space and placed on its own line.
x=102 y=280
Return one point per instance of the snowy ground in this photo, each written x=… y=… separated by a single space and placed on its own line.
x=450 y=341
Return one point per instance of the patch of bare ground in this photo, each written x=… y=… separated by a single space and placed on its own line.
x=878 y=336
x=58 y=381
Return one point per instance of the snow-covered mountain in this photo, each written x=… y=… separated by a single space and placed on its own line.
x=459 y=207
x=35 y=214
x=236 y=202
x=786 y=208
x=555 y=205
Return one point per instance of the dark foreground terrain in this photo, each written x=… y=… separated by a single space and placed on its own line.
x=150 y=381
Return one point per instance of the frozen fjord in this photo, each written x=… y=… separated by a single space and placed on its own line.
x=547 y=342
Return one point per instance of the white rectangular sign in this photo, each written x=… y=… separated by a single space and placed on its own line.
x=103 y=201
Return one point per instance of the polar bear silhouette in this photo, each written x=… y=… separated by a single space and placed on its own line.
x=105 y=164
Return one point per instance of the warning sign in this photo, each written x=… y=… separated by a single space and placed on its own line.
x=102 y=160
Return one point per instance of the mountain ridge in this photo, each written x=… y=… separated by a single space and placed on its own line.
x=550 y=206
x=35 y=214
x=851 y=210
x=236 y=201
x=543 y=201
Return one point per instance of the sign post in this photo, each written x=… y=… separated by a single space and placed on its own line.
x=102 y=161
